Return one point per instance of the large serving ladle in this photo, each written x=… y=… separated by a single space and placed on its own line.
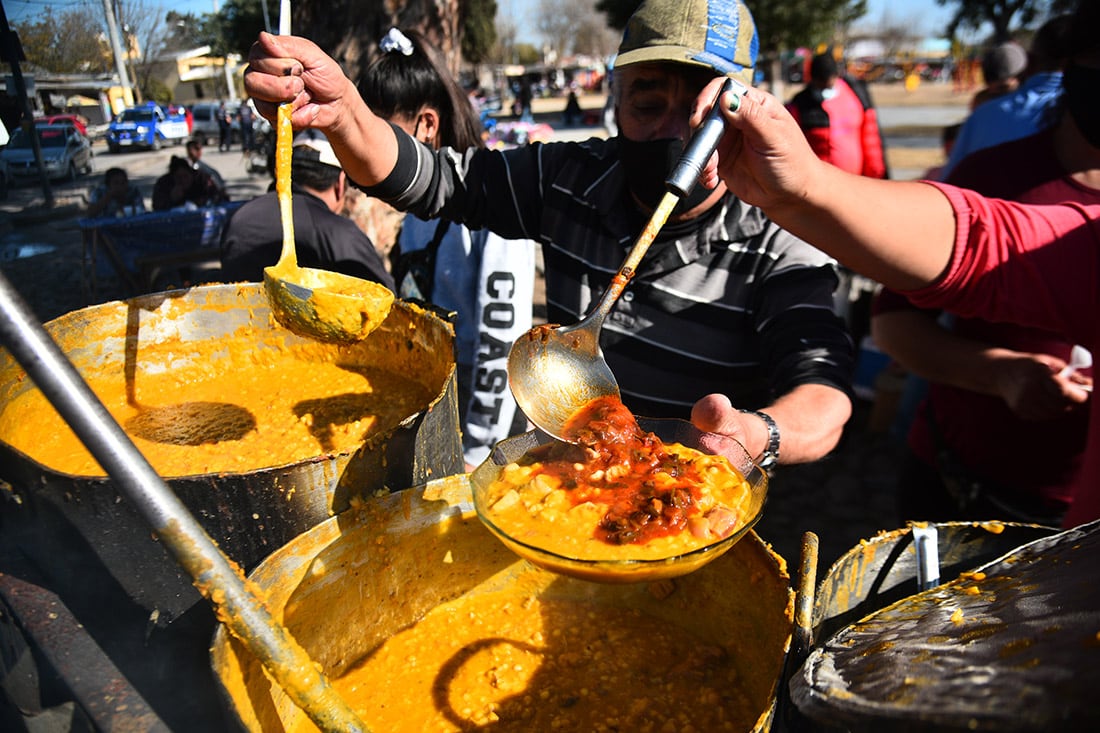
x=221 y=582
x=554 y=371
x=318 y=304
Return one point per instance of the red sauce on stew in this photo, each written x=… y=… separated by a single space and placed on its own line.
x=618 y=461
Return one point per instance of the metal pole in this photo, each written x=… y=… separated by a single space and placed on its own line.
x=267 y=16
x=212 y=573
x=116 y=49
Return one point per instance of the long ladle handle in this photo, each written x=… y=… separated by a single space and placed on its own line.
x=213 y=575
x=284 y=152
x=680 y=183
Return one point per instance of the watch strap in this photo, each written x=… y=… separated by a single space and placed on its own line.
x=770 y=456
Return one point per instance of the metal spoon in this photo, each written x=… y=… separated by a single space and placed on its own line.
x=328 y=306
x=554 y=371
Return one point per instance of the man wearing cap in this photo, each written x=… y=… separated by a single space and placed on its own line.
x=1002 y=66
x=1027 y=110
x=324 y=239
x=728 y=319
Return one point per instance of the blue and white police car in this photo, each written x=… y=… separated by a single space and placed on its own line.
x=146 y=126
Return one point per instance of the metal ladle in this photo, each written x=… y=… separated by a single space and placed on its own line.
x=554 y=371
x=328 y=306
x=220 y=581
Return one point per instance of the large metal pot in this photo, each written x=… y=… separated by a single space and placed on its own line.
x=70 y=522
x=883 y=569
x=353 y=581
x=1005 y=643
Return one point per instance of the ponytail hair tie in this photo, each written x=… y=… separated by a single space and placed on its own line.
x=395 y=40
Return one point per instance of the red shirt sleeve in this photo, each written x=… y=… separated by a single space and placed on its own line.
x=1033 y=265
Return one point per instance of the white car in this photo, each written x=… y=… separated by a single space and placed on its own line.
x=66 y=153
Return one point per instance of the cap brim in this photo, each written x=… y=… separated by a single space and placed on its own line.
x=682 y=55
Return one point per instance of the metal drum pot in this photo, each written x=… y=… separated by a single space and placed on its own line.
x=74 y=525
x=883 y=569
x=1006 y=642
x=347 y=585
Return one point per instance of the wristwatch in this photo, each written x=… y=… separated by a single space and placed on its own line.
x=770 y=456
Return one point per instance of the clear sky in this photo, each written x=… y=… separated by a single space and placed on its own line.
x=924 y=15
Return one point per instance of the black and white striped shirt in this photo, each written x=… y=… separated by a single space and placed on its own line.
x=726 y=303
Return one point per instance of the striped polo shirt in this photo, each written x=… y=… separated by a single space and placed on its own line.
x=726 y=303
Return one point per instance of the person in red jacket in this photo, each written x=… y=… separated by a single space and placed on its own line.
x=838 y=119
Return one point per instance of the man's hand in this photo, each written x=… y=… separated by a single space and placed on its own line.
x=716 y=414
x=763 y=157
x=1030 y=384
x=810 y=419
x=292 y=69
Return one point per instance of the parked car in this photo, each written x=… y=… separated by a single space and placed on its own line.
x=66 y=153
x=205 y=122
x=205 y=117
x=148 y=126
x=80 y=122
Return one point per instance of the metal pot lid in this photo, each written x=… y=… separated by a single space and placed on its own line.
x=1012 y=646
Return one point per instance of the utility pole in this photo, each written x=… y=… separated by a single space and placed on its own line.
x=116 y=48
x=11 y=50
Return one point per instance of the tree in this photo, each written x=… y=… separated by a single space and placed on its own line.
x=479 y=33
x=239 y=23
x=1000 y=14
x=574 y=26
x=353 y=42
x=504 y=52
x=68 y=42
x=786 y=24
x=184 y=31
x=144 y=30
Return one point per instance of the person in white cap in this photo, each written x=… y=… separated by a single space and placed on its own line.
x=324 y=239
x=728 y=320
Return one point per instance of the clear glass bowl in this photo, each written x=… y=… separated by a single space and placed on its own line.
x=626 y=570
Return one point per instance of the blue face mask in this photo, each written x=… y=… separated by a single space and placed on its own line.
x=1080 y=87
x=647 y=164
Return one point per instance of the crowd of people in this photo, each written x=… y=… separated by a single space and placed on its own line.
x=988 y=267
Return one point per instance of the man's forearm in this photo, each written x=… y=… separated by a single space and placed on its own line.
x=900 y=245
x=364 y=142
x=811 y=420
x=924 y=347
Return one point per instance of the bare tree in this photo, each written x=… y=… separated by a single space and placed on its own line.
x=557 y=24
x=505 y=50
x=897 y=36
x=145 y=30
x=595 y=38
x=575 y=26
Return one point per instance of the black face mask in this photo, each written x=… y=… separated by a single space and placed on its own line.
x=647 y=165
x=1080 y=86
